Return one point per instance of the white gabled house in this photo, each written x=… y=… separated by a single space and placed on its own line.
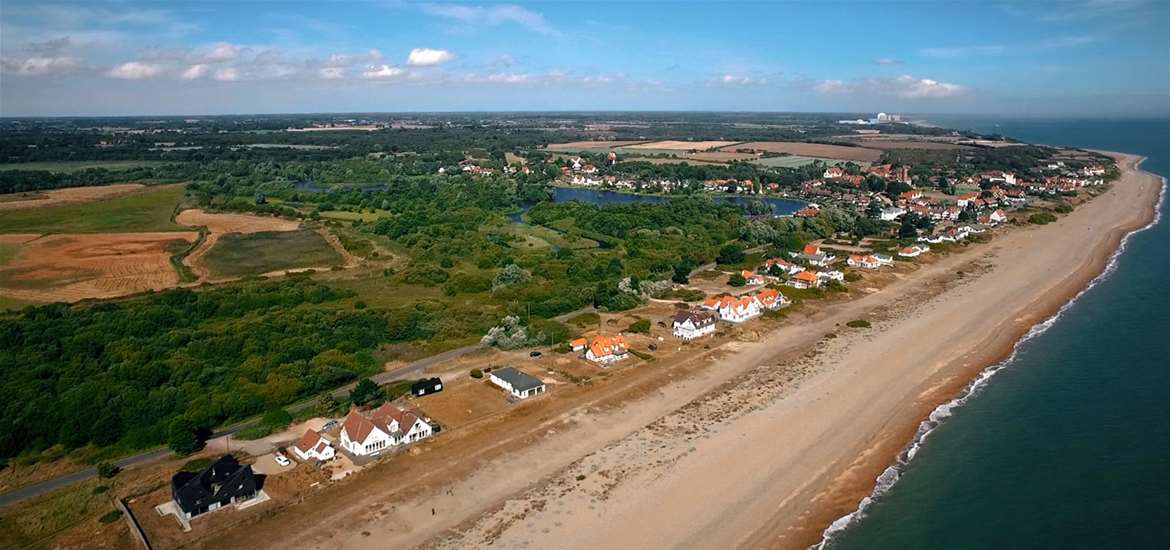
x=607 y=349
x=313 y=446
x=831 y=276
x=864 y=262
x=388 y=426
x=914 y=251
x=734 y=309
x=689 y=325
x=785 y=266
x=360 y=437
x=804 y=279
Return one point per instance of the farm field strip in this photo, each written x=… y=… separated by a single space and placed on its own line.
x=147 y=209
x=818 y=150
x=55 y=197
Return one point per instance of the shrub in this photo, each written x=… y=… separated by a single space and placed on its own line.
x=101 y=489
x=858 y=323
x=1042 y=218
x=277 y=418
x=196 y=465
x=736 y=279
x=107 y=470
x=730 y=254
x=364 y=392
x=1064 y=208
x=359 y=305
x=476 y=373
x=111 y=516
x=641 y=326
x=853 y=277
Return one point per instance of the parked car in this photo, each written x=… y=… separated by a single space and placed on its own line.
x=329 y=425
x=281 y=459
x=534 y=354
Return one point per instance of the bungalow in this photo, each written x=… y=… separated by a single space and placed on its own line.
x=914 y=251
x=426 y=386
x=884 y=259
x=785 y=266
x=578 y=344
x=911 y=195
x=607 y=349
x=810 y=211
x=804 y=279
x=865 y=262
x=813 y=254
x=517 y=383
x=689 y=325
x=738 y=310
x=770 y=298
x=223 y=483
x=313 y=446
x=752 y=278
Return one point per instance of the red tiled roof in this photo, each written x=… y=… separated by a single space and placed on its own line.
x=308 y=440
x=356 y=426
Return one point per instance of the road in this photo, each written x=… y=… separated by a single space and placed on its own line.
x=401 y=373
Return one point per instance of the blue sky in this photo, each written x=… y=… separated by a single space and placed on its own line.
x=1094 y=57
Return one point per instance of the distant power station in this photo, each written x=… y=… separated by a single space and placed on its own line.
x=881 y=118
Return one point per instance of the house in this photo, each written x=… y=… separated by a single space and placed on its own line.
x=831 y=276
x=752 y=278
x=911 y=195
x=426 y=386
x=785 y=266
x=892 y=213
x=866 y=262
x=770 y=298
x=884 y=259
x=967 y=199
x=517 y=383
x=804 y=279
x=313 y=446
x=689 y=325
x=813 y=254
x=223 y=483
x=361 y=437
x=739 y=310
x=810 y=211
x=607 y=349
x=578 y=344
x=997 y=217
x=404 y=424
x=996 y=175
x=833 y=172
x=914 y=251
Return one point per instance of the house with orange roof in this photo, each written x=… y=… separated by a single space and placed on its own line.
x=387 y=427
x=784 y=265
x=804 y=279
x=312 y=446
x=771 y=298
x=864 y=262
x=360 y=437
x=833 y=172
x=751 y=277
x=914 y=251
x=578 y=344
x=740 y=309
x=607 y=349
x=815 y=256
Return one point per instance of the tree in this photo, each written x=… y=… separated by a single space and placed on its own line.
x=730 y=254
x=907 y=230
x=736 y=279
x=107 y=470
x=511 y=276
x=326 y=404
x=641 y=326
x=181 y=437
x=277 y=418
x=364 y=392
x=682 y=273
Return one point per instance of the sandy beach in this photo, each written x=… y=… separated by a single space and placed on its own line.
x=760 y=444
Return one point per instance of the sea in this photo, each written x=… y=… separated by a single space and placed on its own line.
x=1066 y=444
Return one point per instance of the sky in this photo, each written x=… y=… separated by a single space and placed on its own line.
x=123 y=57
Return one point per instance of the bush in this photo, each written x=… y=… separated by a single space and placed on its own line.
x=111 y=516
x=394 y=390
x=1042 y=218
x=1064 y=208
x=107 y=470
x=254 y=433
x=364 y=392
x=730 y=254
x=858 y=323
x=101 y=489
x=853 y=277
x=736 y=279
x=277 y=418
x=359 y=305
x=640 y=327
x=476 y=373
x=196 y=465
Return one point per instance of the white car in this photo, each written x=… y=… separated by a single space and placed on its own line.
x=281 y=459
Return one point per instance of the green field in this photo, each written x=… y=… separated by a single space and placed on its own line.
x=149 y=210
x=237 y=255
x=8 y=252
x=78 y=165
x=795 y=161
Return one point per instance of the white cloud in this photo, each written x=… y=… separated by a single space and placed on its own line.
x=49 y=47
x=227 y=74
x=194 y=72
x=134 y=70
x=381 y=72
x=221 y=52
x=345 y=60
x=497 y=78
x=905 y=87
x=492 y=15
x=426 y=57
x=41 y=66
x=332 y=73
x=737 y=80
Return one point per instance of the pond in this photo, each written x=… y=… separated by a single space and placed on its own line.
x=780 y=207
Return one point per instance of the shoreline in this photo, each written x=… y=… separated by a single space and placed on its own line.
x=892 y=474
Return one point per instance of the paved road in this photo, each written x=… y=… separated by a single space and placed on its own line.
x=404 y=372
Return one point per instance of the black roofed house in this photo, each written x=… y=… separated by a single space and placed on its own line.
x=689 y=325
x=224 y=482
x=426 y=386
x=517 y=383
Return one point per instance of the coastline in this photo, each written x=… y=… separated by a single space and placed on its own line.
x=761 y=444
x=782 y=465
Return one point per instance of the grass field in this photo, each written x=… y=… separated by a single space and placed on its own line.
x=237 y=255
x=351 y=216
x=149 y=210
x=8 y=252
x=795 y=161
x=78 y=165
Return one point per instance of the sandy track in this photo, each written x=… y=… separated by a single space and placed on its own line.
x=219 y=224
x=812 y=150
x=68 y=268
x=73 y=195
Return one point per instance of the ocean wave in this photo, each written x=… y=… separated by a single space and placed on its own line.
x=893 y=473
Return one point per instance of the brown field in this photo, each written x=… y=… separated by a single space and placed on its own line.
x=218 y=224
x=68 y=268
x=721 y=156
x=67 y=195
x=681 y=145
x=886 y=144
x=600 y=144
x=812 y=150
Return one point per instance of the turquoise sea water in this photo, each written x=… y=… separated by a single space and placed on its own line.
x=1068 y=445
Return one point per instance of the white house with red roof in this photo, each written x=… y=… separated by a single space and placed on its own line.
x=784 y=265
x=914 y=251
x=739 y=310
x=815 y=256
x=388 y=426
x=312 y=446
x=864 y=262
x=833 y=172
x=607 y=349
x=360 y=437
x=804 y=279
x=751 y=277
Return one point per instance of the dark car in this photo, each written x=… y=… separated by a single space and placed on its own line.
x=534 y=354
